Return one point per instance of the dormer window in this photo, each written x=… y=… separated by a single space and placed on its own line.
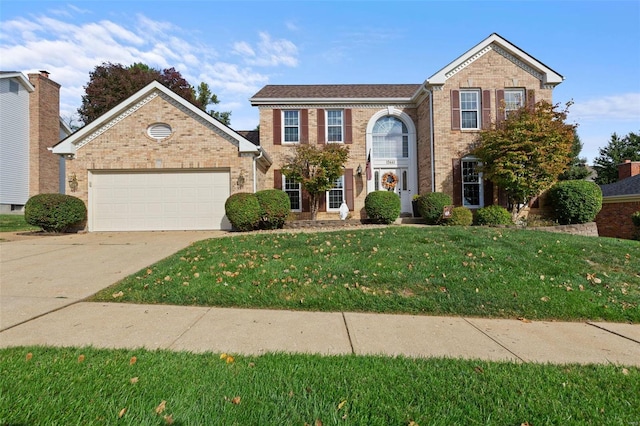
x=159 y=131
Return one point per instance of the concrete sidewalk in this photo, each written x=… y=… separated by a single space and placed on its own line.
x=247 y=331
x=44 y=281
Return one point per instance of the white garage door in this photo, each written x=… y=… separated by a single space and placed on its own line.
x=158 y=201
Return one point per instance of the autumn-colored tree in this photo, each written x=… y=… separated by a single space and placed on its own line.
x=617 y=151
x=316 y=169
x=205 y=97
x=109 y=84
x=525 y=153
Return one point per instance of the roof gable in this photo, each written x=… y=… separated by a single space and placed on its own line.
x=20 y=77
x=136 y=101
x=546 y=75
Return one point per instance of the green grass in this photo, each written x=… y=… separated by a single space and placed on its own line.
x=55 y=387
x=15 y=223
x=485 y=272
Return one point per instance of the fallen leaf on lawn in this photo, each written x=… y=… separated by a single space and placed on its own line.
x=29 y=356
x=542 y=277
x=160 y=408
x=525 y=424
x=318 y=422
x=149 y=271
x=252 y=364
x=121 y=413
x=167 y=278
x=544 y=299
x=344 y=401
x=133 y=360
x=169 y=419
x=523 y=319
x=230 y=360
x=581 y=287
x=569 y=288
x=276 y=256
x=118 y=294
x=478 y=369
x=223 y=356
x=597 y=280
x=235 y=400
x=133 y=380
x=443 y=289
x=412 y=423
x=375 y=249
x=625 y=371
x=81 y=358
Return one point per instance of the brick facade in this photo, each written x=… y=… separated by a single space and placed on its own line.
x=614 y=220
x=44 y=132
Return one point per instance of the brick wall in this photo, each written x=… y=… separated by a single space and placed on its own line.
x=614 y=220
x=628 y=168
x=192 y=145
x=44 y=132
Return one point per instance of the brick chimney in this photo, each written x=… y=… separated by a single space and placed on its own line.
x=628 y=168
x=44 y=132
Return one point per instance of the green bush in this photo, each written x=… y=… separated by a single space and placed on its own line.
x=460 y=216
x=635 y=218
x=275 y=208
x=382 y=206
x=54 y=212
x=431 y=205
x=575 y=201
x=493 y=215
x=243 y=211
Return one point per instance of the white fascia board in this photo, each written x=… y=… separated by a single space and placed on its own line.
x=68 y=145
x=549 y=75
x=325 y=101
x=20 y=77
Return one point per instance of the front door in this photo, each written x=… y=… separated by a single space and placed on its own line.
x=396 y=180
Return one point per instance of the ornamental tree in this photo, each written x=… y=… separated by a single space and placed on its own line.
x=316 y=169
x=525 y=153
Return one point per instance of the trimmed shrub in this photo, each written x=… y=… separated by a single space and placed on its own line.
x=493 y=215
x=460 y=216
x=635 y=218
x=575 y=201
x=382 y=206
x=275 y=208
x=243 y=211
x=54 y=212
x=431 y=205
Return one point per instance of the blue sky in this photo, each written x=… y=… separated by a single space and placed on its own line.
x=239 y=46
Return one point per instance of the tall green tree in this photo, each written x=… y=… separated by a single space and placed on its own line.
x=525 y=153
x=205 y=97
x=617 y=151
x=316 y=169
x=577 y=169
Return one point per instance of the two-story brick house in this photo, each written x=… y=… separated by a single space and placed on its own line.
x=409 y=138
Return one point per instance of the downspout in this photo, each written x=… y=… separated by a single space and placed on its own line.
x=255 y=160
x=433 y=161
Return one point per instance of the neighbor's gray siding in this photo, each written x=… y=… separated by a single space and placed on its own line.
x=14 y=144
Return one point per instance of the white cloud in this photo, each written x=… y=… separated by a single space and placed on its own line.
x=624 y=107
x=268 y=52
x=243 y=48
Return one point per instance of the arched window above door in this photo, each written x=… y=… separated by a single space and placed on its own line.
x=390 y=138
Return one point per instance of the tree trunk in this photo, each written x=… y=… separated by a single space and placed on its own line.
x=314 y=201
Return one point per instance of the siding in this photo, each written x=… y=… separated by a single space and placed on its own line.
x=14 y=144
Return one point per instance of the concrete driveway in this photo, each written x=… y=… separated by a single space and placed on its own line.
x=40 y=274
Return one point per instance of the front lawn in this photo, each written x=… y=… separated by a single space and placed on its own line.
x=137 y=387
x=15 y=223
x=477 y=271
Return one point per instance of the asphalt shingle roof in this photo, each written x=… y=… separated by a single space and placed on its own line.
x=337 y=91
x=628 y=186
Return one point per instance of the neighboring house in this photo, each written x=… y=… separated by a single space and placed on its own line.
x=157 y=162
x=29 y=125
x=619 y=201
x=416 y=138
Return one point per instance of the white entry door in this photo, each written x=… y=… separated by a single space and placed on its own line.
x=396 y=180
x=158 y=200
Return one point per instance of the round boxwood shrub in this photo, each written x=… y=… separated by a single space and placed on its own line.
x=54 y=212
x=460 y=216
x=575 y=201
x=243 y=211
x=275 y=207
x=431 y=205
x=493 y=215
x=382 y=206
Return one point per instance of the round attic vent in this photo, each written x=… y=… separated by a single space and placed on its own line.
x=159 y=131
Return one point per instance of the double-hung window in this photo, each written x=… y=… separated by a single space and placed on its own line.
x=472 y=191
x=292 y=189
x=470 y=109
x=335 y=125
x=335 y=196
x=513 y=100
x=291 y=125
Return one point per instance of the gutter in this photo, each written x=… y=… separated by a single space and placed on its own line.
x=255 y=172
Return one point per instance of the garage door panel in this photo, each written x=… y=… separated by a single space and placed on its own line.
x=152 y=200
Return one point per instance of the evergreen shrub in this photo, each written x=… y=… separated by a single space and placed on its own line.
x=382 y=206
x=275 y=208
x=575 y=201
x=54 y=212
x=431 y=205
x=460 y=216
x=493 y=215
x=243 y=211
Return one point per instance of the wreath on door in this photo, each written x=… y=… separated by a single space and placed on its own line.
x=389 y=181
